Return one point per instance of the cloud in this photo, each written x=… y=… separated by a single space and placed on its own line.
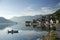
x=47 y=10
x=28 y=11
x=31 y=12
x=59 y=3
x=29 y=8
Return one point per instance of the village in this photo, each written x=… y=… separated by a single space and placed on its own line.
x=48 y=23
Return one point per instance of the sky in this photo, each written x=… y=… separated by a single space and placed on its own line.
x=12 y=8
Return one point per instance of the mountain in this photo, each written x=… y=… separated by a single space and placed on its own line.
x=57 y=14
x=25 y=18
x=5 y=22
x=30 y=18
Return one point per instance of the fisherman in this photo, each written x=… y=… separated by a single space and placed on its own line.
x=12 y=31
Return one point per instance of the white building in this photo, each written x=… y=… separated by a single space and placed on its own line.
x=57 y=21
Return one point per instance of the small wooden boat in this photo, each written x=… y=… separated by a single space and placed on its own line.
x=12 y=31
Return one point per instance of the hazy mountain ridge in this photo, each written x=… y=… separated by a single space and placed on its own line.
x=3 y=20
x=30 y=18
x=25 y=18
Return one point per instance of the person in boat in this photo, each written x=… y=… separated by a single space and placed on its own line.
x=12 y=31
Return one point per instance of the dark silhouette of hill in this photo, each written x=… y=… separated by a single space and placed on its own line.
x=5 y=23
x=57 y=14
x=3 y=20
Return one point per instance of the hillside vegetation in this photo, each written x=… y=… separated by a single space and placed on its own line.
x=57 y=14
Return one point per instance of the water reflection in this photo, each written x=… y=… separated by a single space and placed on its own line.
x=4 y=25
x=25 y=33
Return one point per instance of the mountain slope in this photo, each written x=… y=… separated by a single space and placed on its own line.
x=3 y=20
x=25 y=18
x=57 y=14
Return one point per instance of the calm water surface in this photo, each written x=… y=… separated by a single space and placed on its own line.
x=25 y=33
